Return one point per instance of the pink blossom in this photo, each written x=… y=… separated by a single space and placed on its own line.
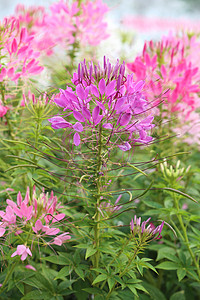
x=30 y=267
x=60 y=239
x=63 y=22
x=41 y=213
x=23 y=251
x=171 y=71
x=3 y=110
x=19 y=59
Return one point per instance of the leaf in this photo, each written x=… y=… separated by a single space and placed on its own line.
x=57 y=260
x=80 y=273
x=90 y=251
x=37 y=295
x=64 y=285
x=167 y=255
x=166 y=252
x=152 y=204
x=181 y=274
x=94 y=290
x=100 y=278
x=63 y=272
x=178 y=296
x=133 y=289
x=20 y=287
x=111 y=283
x=154 y=292
x=168 y=265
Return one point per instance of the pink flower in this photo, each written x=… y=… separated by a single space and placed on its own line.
x=63 y=22
x=171 y=70
x=30 y=267
x=3 y=110
x=23 y=251
x=60 y=239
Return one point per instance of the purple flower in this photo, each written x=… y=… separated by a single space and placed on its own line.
x=150 y=232
x=105 y=98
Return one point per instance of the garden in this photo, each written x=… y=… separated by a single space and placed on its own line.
x=99 y=156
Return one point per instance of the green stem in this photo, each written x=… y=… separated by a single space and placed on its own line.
x=98 y=197
x=185 y=237
x=7 y=277
x=137 y=249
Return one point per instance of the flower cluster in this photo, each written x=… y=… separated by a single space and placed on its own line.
x=65 y=23
x=18 y=59
x=35 y=218
x=105 y=98
x=170 y=65
x=42 y=100
x=149 y=233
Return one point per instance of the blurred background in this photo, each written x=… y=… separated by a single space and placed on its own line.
x=131 y=22
x=121 y=8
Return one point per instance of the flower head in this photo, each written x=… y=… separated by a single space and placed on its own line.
x=105 y=98
x=149 y=233
x=38 y=215
x=22 y=251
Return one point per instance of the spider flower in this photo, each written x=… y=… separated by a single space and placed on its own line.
x=64 y=24
x=149 y=233
x=172 y=65
x=22 y=251
x=39 y=216
x=18 y=59
x=107 y=100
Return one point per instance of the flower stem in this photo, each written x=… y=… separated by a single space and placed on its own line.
x=98 y=197
x=185 y=237
x=7 y=277
x=121 y=274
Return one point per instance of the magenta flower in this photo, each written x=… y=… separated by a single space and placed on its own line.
x=150 y=232
x=22 y=251
x=107 y=98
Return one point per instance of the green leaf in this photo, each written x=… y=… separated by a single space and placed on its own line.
x=181 y=274
x=152 y=204
x=154 y=292
x=37 y=295
x=166 y=252
x=90 y=251
x=20 y=287
x=63 y=273
x=133 y=289
x=57 y=260
x=168 y=265
x=80 y=273
x=111 y=283
x=178 y=296
x=100 y=278
x=169 y=256
x=82 y=246
x=94 y=290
